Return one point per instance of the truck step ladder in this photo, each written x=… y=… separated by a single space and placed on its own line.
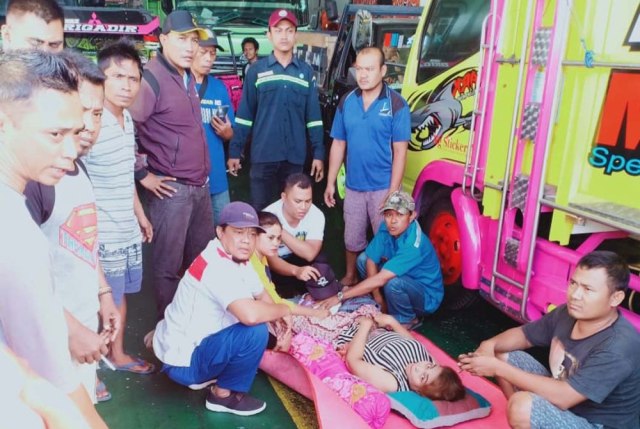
x=525 y=183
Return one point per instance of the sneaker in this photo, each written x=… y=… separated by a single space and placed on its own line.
x=200 y=386
x=236 y=403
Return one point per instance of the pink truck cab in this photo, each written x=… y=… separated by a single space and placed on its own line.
x=525 y=150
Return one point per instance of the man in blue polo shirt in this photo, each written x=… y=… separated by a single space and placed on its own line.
x=217 y=119
x=373 y=125
x=280 y=102
x=401 y=261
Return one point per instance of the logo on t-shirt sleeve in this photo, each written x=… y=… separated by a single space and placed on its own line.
x=197 y=267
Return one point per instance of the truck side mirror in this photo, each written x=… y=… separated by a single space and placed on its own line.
x=352 y=81
x=332 y=9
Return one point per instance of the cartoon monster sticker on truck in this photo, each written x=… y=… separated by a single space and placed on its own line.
x=525 y=149
x=442 y=113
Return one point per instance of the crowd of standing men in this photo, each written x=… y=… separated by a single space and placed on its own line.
x=71 y=254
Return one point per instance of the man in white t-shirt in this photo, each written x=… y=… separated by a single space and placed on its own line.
x=40 y=120
x=215 y=328
x=302 y=235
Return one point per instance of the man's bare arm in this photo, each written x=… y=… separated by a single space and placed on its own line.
x=307 y=249
x=253 y=312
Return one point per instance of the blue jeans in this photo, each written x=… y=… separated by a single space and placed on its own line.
x=231 y=355
x=218 y=201
x=182 y=228
x=404 y=296
x=267 y=181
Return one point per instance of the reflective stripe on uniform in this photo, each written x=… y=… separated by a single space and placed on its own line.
x=244 y=122
x=282 y=77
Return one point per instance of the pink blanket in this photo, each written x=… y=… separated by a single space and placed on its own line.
x=323 y=361
x=332 y=412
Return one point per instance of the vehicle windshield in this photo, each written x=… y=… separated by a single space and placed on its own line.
x=242 y=13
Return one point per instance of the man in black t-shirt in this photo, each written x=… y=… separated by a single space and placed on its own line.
x=594 y=359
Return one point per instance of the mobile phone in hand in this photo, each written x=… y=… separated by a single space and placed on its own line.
x=221 y=112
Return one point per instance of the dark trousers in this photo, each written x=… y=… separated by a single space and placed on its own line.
x=289 y=286
x=182 y=228
x=267 y=181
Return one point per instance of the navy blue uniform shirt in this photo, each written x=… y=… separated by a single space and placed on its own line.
x=280 y=107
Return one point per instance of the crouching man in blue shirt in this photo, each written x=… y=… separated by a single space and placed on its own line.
x=401 y=261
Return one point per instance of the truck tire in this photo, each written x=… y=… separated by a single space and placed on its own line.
x=439 y=223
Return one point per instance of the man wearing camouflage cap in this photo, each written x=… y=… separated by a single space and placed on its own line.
x=401 y=261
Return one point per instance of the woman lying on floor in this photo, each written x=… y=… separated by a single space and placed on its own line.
x=385 y=354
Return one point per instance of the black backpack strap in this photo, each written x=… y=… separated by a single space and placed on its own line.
x=203 y=87
x=84 y=167
x=152 y=81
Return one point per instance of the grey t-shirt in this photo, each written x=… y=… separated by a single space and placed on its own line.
x=604 y=367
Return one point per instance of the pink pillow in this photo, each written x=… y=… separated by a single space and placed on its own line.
x=321 y=360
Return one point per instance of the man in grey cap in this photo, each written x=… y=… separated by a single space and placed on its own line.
x=217 y=119
x=167 y=116
x=401 y=262
x=214 y=330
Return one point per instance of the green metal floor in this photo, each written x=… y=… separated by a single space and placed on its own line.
x=153 y=401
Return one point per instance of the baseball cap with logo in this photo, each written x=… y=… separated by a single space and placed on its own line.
x=326 y=286
x=280 y=14
x=211 y=40
x=399 y=201
x=181 y=21
x=239 y=215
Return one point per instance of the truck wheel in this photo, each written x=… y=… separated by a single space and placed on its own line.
x=439 y=223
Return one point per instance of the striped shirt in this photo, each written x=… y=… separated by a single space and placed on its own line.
x=389 y=351
x=111 y=165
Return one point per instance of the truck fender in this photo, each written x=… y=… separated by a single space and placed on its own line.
x=442 y=172
x=468 y=215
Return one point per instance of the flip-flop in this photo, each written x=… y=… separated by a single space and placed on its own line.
x=129 y=367
x=102 y=394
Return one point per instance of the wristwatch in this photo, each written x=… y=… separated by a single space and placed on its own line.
x=340 y=295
